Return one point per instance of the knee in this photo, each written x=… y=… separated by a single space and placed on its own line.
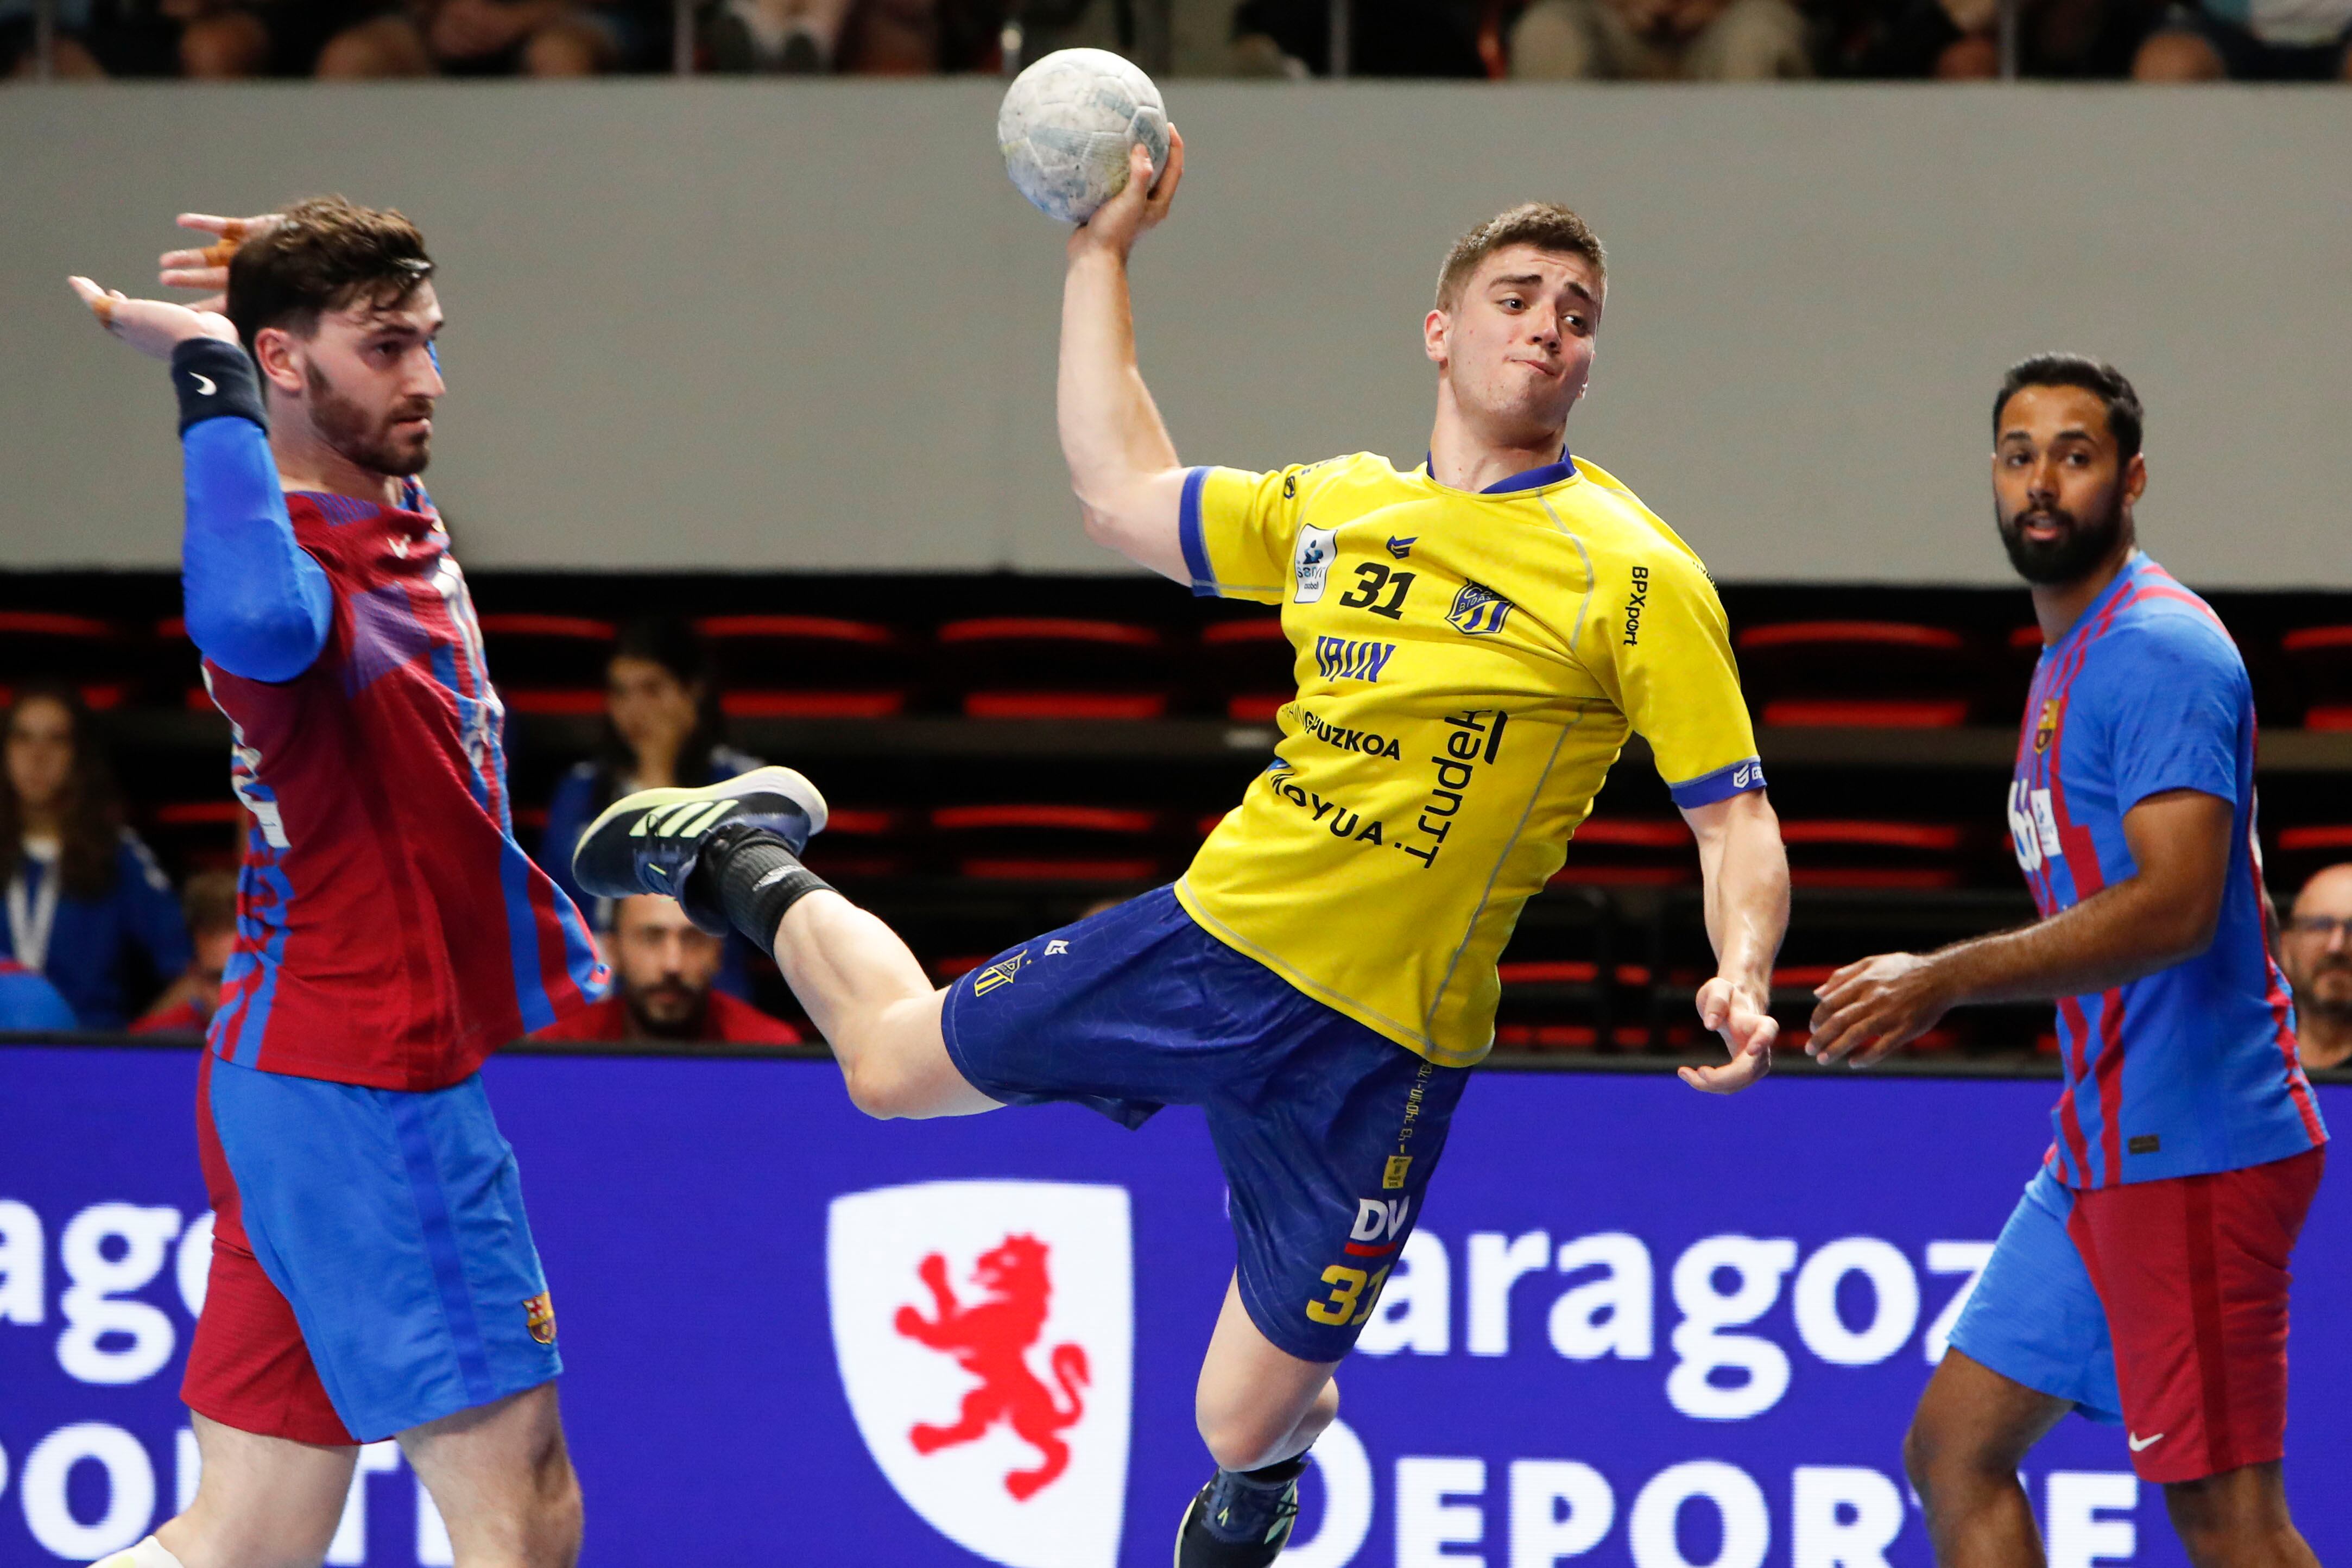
x=557 y=1510
x=2177 y=56
x=1240 y=1441
x=565 y=48
x=232 y=43
x=387 y=46
x=877 y=1088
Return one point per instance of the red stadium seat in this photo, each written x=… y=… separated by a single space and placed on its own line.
x=1051 y=667
x=548 y=664
x=92 y=656
x=1248 y=666
x=2320 y=659
x=1866 y=674
x=1026 y=843
x=861 y=841
x=1629 y=851
x=1848 y=853
x=809 y=666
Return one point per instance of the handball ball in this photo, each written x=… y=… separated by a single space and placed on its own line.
x=1066 y=127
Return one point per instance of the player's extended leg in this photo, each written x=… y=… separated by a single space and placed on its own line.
x=1257 y=1404
x=2238 y=1519
x=262 y=1503
x=502 y=1478
x=1971 y=1431
x=729 y=854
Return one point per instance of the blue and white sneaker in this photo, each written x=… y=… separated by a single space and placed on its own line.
x=1241 y=1522
x=652 y=841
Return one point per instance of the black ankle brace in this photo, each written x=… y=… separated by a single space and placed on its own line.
x=759 y=879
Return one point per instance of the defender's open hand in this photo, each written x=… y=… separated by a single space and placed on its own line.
x=1140 y=205
x=153 y=327
x=1875 y=1005
x=207 y=269
x=1737 y=1014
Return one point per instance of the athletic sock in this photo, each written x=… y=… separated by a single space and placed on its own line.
x=148 y=1553
x=1247 y=1505
x=759 y=879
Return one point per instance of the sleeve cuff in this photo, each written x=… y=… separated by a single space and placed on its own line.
x=1188 y=532
x=1721 y=784
x=213 y=380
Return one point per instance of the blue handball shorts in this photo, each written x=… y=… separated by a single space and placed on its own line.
x=1326 y=1131
x=2035 y=1317
x=392 y=1225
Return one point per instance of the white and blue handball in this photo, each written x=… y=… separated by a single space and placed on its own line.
x=1066 y=127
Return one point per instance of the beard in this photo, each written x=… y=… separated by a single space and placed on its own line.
x=2327 y=990
x=2080 y=545
x=667 y=1010
x=364 y=437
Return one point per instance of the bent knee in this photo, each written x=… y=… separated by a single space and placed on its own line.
x=1241 y=1443
x=880 y=1089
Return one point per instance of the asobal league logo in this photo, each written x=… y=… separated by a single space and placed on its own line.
x=985 y=1334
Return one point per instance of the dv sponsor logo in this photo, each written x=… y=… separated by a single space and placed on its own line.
x=985 y=1336
x=1377 y=1220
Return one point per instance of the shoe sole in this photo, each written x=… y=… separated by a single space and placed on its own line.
x=785 y=782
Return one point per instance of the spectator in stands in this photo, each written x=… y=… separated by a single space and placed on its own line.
x=787 y=37
x=2315 y=951
x=663 y=971
x=28 y=1002
x=87 y=905
x=2250 y=40
x=662 y=728
x=1385 y=38
x=1959 y=40
x=208 y=904
x=1691 y=40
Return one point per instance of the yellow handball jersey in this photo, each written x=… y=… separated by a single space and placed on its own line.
x=1468 y=665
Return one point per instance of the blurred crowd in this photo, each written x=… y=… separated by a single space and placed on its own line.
x=97 y=939
x=1714 y=40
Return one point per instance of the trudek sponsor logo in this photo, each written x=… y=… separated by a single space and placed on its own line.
x=1476 y=739
x=985 y=1333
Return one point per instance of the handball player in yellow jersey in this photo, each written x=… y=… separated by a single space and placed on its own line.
x=1475 y=638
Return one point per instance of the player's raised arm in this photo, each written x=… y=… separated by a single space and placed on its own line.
x=1122 y=464
x=257 y=606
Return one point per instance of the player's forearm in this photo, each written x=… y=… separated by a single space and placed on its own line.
x=1112 y=436
x=257 y=605
x=2119 y=934
x=1747 y=891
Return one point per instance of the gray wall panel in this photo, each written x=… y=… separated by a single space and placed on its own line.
x=719 y=324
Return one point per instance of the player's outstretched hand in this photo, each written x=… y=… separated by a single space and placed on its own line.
x=207 y=267
x=1875 y=1005
x=1737 y=1013
x=153 y=327
x=1140 y=205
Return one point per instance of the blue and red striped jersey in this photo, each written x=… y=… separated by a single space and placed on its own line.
x=391 y=933
x=2192 y=1069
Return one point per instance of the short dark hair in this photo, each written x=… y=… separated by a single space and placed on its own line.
x=2111 y=387
x=323 y=254
x=1547 y=225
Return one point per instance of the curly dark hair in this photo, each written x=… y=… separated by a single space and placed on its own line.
x=2102 y=380
x=92 y=830
x=324 y=253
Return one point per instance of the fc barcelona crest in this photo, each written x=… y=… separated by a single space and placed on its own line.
x=2046 y=730
x=1478 y=611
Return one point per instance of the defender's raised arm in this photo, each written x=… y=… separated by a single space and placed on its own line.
x=1123 y=465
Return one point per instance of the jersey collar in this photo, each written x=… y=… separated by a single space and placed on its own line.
x=2133 y=564
x=1530 y=480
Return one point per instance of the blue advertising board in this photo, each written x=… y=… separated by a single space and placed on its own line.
x=1636 y=1326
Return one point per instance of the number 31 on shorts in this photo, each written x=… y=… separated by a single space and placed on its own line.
x=1348 y=1285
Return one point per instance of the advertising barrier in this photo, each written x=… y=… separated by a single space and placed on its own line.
x=1636 y=1325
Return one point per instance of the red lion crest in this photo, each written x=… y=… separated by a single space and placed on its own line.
x=991 y=1340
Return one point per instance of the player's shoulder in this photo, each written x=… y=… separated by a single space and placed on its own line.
x=2163 y=625
x=1616 y=521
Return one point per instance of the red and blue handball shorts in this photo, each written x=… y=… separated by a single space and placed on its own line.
x=2157 y=1305
x=372 y=1269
